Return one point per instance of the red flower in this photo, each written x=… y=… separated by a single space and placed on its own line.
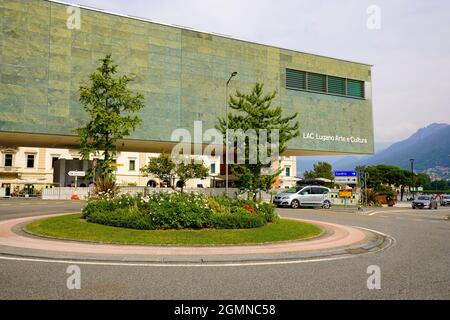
x=250 y=209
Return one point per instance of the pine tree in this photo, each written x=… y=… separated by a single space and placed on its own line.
x=254 y=111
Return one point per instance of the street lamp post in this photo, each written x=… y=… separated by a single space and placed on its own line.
x=412 y=177
x=366 y=175
x=226 y=132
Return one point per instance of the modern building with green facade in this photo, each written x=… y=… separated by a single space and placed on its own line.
x=181 y=72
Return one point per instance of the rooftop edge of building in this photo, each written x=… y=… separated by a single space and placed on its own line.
x=195 y=30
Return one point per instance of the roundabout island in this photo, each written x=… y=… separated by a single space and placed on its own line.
x=317 y=240
x=73 y=227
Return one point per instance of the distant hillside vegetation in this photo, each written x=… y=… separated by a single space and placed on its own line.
x=429 y=146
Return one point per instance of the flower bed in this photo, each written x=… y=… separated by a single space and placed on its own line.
x=162 y=211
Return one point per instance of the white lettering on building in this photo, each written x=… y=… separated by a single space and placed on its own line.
x=334 y=138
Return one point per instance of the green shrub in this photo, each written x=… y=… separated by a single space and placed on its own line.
x=239 y=218
x=385 y=190
x=268 y=211
x=178 y=211
x=215 y=206
x=124 y=218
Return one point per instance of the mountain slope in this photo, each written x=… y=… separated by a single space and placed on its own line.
x=429 y=147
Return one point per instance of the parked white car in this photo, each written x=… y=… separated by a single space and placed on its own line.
x=307 y=196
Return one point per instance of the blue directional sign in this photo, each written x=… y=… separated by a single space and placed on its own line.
x=345 y=174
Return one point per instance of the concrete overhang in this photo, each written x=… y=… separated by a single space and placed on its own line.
x=18 y=139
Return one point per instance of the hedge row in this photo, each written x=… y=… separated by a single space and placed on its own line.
x=178 y=211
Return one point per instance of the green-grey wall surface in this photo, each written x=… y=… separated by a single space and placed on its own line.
x=182 y=74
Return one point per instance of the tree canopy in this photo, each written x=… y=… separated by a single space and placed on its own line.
x=320 y=170
x=161 y=166
x=187 y=170
x=165 y=168
x=112 y=109
x=381 y=175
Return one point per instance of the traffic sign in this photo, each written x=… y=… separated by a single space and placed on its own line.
x=345 y=193
x=345 y=180
x=76 y=173
x=345 y=174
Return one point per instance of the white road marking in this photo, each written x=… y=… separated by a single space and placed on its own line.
x=387 y=212
x=162 y=264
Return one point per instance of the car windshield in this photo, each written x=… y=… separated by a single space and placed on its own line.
x=423 y=198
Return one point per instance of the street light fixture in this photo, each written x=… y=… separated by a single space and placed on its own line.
x=412 y=177
x=226 y=132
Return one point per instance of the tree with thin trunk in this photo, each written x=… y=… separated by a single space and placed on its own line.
x=189 y=169
x=162 y=167
x=111 y=108
x=165 y=168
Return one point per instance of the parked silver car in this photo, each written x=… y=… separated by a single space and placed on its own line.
x=445 y=200
x=423 y=202
x=308 y=196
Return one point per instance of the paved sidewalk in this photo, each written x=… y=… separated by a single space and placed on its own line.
x=336 y=240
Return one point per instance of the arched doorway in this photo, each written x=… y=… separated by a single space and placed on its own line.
x=151 y=184
x=180 y=184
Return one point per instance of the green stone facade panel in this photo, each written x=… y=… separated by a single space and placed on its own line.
x=181 y=72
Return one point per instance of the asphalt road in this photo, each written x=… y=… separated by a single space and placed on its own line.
x=16 y=208
x=416 y=267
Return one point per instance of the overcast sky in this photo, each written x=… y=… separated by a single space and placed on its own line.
x=410 y=52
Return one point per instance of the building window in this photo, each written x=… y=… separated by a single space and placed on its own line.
x=8 y=160
x=321 y=83
x=54 y=159
x=355 y=88
x=288 y=172
x=213 y=168
x=336 y=85
x=30 y=161
x=132 y=165
x=317 y=82
x=295 y=79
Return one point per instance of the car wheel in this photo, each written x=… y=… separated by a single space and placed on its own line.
x=295 y=204
x=326 y=204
